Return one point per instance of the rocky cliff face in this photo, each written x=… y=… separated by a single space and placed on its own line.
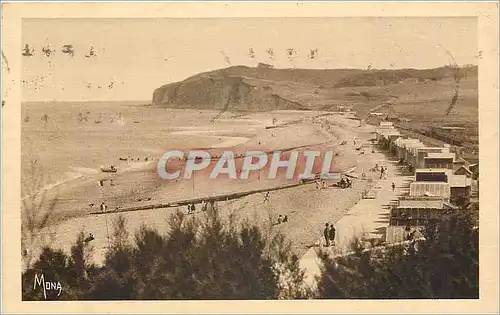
x=264 y=88
x=221 y=91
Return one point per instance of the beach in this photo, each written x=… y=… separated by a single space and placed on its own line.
x=69 y=154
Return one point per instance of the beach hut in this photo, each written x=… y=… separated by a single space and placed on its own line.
x=421 y=152
x=402 y=147
x=411 y=151
x=386 y=125
x=414 y=213
x=388 y=136
x=433 y=175
x=418 y=211
x=439 y=160
x=460 y=189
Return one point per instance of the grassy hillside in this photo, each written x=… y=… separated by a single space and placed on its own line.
x=417 y=97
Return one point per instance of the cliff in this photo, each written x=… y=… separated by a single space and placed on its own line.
x=221 y=91
x=265 y=88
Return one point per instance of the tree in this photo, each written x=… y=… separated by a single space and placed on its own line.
x=72 y=272
x=206 y=258
x=37 y=213
x=445 y=265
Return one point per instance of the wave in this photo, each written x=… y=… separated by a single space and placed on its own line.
x=78 y=172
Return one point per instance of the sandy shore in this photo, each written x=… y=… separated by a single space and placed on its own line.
x=308 y=209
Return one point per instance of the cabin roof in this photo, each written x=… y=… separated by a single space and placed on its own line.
x=402 y=142
x=440 y=189
x=425 y=204
x=435 y=155
x=468 y=171
x=432 y=170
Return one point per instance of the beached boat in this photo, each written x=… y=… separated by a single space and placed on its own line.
x=111 y=169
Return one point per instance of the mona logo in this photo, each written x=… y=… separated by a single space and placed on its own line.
x=47 y=286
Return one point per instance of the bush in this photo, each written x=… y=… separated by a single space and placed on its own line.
x=197 y=259
x=445 y=266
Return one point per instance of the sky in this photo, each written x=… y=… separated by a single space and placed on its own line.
x=139 y=55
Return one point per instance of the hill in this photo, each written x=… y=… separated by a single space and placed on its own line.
x=264 y=88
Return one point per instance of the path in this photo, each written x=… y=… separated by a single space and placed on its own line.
x=367 y=219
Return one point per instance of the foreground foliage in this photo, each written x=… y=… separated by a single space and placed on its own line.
x=208 y=259
x=197 y=259
x=445 y=266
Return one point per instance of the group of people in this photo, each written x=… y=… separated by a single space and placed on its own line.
x=134 y=159
x=345 y=182
x=321 y=185
x=204 y=206
x=329 y=234
x=102 y=206
x=191 y=208
x=282 y=219
x=383 y=172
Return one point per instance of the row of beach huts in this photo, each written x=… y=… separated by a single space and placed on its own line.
x=442 y=182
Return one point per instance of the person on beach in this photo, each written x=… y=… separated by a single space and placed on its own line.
x=266 y=197
x=331 y=234
x=103 y=207
x=89 y=238
x=326 y=235
x=393 y=186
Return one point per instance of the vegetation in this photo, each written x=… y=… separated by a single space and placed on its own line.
x=208 y=259
x=197 y=259
x=445 y=266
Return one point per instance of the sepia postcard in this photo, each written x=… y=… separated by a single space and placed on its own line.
x=277 y=157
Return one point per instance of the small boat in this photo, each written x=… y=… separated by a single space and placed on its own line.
x=111 y=169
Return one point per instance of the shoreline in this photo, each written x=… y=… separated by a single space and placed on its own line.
x=306 y=215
